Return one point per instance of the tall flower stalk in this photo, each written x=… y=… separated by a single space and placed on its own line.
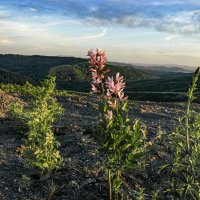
x=121 y=143
x=98 y=71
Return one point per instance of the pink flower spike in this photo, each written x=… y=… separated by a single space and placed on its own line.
x=97 y=64
x=116 y=86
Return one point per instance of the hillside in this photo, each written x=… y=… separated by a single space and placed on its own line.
x=36 y=67
x=68 y=76
x=72 y=73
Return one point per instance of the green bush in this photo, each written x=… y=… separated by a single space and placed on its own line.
x=42 y=148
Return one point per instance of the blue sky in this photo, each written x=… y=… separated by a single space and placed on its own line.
x=132 y=31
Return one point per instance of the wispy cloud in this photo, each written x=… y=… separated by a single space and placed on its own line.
x=170 y=38
x=102 y=34
x=33 y=9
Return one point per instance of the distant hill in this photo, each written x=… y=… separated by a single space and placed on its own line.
x=163 y=71
x=159 y=70
x=72 y=73
x=167 y=69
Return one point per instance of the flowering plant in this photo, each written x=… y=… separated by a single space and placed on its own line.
x=121 y=143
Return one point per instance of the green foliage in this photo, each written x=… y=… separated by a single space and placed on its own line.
x=184 y=144
x=27 y=88
x=41 y=151
x=122 y=144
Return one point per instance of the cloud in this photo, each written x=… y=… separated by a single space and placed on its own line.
x=186 y=22
x=172 y=16
x=33 y=9
x=167 y=3
x=171 y=38
x=102 y=34
x=182 y=22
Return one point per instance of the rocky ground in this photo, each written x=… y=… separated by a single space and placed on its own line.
x=80 y=177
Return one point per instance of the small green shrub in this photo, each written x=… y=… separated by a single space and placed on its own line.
x=42 y=148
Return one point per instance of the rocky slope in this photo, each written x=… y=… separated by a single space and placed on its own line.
x=80 y=177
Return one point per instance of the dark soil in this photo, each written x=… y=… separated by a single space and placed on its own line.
x=80 y=177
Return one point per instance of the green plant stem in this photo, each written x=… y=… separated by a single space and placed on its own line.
x=187 y=124
x=190 y=99
x=102 y=87
x=110 y=184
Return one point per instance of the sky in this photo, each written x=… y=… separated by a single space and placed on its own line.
x=130 y=31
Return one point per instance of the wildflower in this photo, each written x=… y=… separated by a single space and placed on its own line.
x=116 y=87
x=97 y=59
x=92 y=58
x=97 y=64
